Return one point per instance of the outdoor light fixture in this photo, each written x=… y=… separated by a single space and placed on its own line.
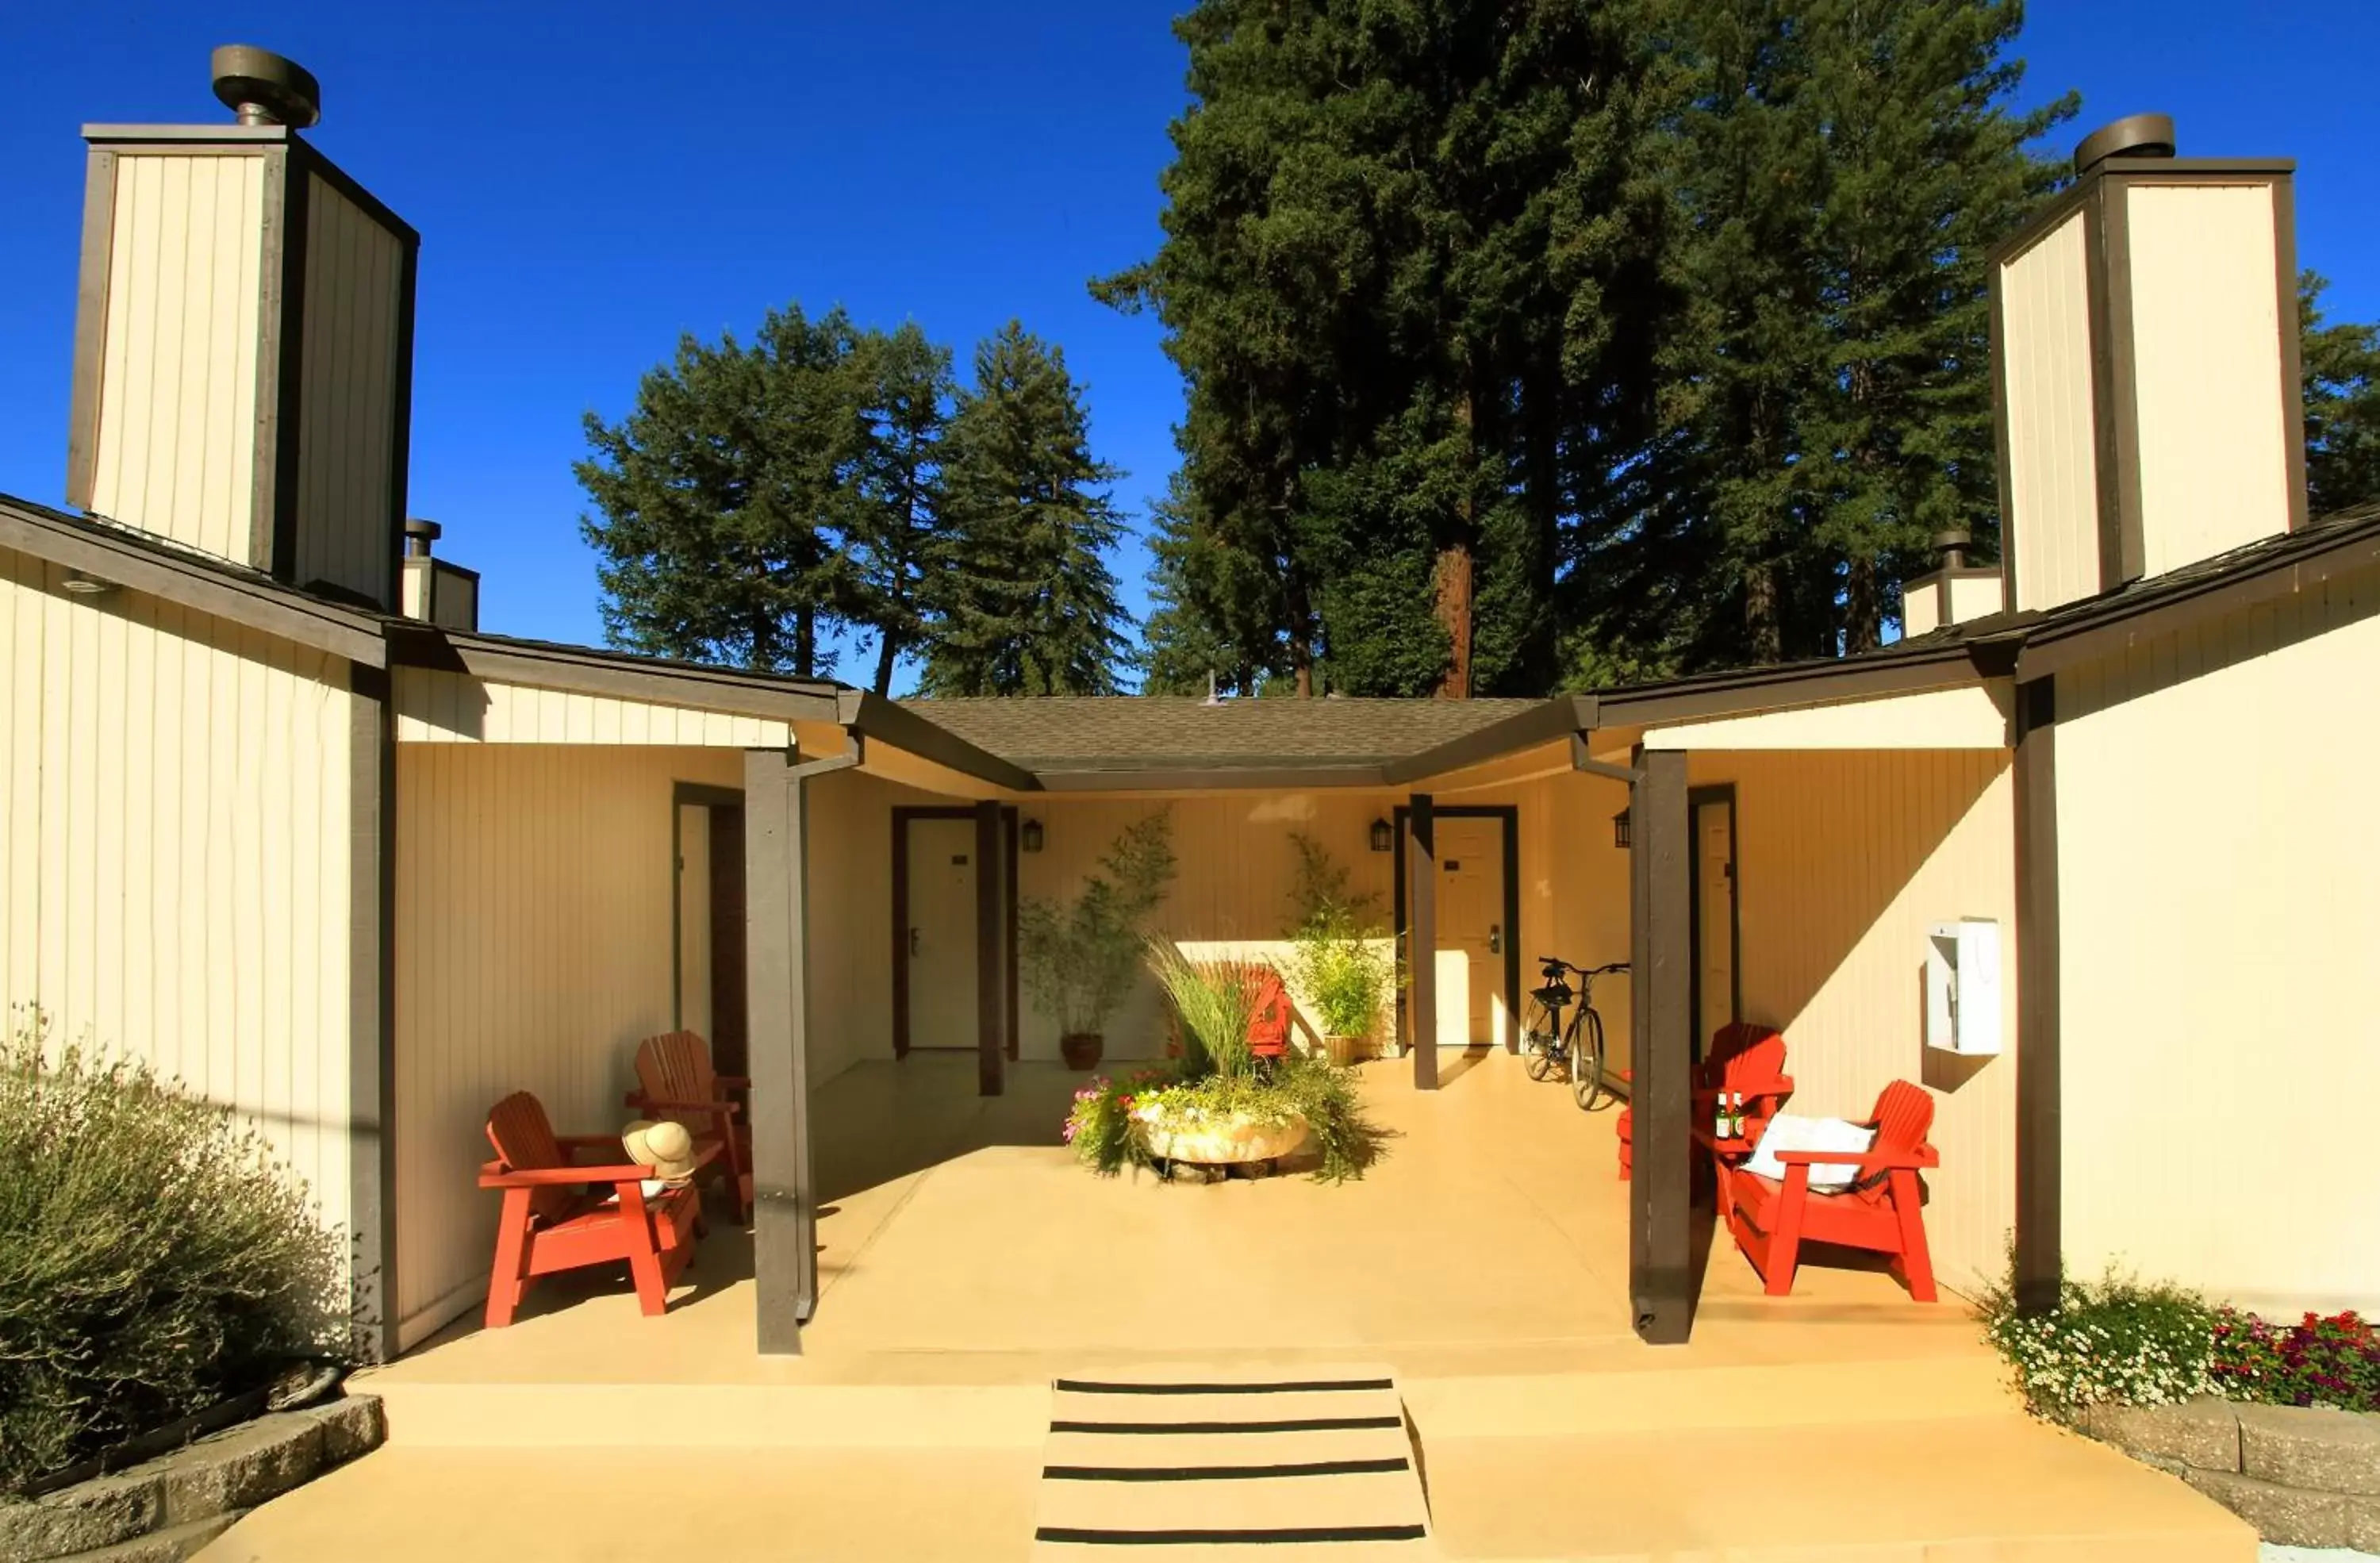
x=1029 y=836
x=1619 y=831
x=86 y=586
x=1383 y=836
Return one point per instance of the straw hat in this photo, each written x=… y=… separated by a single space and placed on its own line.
x=664 y=1146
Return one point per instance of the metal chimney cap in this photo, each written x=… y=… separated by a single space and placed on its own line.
x=1950 y=544
x=263 y=88
x=2135 y=135
x=415 y=526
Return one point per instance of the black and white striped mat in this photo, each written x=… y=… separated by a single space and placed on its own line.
x=1208 y=1465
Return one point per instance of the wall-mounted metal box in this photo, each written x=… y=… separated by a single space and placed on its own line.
x=1962 y=987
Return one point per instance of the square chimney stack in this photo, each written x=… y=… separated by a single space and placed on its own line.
x=2144 y=348
x=243 y=372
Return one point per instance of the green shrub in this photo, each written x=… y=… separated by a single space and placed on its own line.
x=1338 y=960
x=1100 y=1124
x=2115 y=1340
x=1078 y=959
x=1215 y=1002
x=153 y=1259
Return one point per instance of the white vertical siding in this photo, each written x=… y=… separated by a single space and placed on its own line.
x=2207 y=345
x=349 y=379
x=849 y=854
x=2220 y=887
x=448 y=707
x=534 y=951
x=175 y=444
x=1842 y=861
x=2046 y=377
x=174 y=852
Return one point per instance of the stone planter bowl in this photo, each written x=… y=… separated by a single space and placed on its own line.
x=1218 y=1141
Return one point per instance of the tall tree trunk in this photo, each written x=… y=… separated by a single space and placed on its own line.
x=1542 y=413
x=888 y=652
x=806 y=644
x=1763 y=627
x=1862 y=606
x=1452 y=577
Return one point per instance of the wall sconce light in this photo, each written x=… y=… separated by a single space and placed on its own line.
x=86 y=586
x=1383 y=836
x=1619 y=832
x=1029 y=835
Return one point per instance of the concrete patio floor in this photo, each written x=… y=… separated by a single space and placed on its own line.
x=965 y=1261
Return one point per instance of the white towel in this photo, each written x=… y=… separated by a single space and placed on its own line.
x=1790 y=1132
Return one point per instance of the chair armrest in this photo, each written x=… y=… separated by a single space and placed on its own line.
x=495 y=1175
x=654 y=1104
x=1923 y=1156
x=587 y=1142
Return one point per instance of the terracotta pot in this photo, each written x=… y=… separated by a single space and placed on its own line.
x=1082 y=1049
x=1213 y=1141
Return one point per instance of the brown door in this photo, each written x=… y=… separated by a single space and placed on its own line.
x=728 y=1033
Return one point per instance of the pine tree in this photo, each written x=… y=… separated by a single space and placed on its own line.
x=718 y=496
x=904 y=386
x=1019 y=593
x=2342 y=405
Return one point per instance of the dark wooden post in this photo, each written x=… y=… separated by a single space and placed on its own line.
x=1660 y=1194
x=784 y=1220
x=2040 y=1240
x=990 y=951
x=1420 y=936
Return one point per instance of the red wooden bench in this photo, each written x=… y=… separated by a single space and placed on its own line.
x=562 y=1215
x=674 y=1080
x=1743 y=1058
x=1883 y=1211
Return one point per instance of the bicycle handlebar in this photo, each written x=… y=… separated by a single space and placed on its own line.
x=1553 y=963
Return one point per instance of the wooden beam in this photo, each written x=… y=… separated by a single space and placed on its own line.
x=1661 y=1193
x=2039 y=1120
x=785 y=1224
x=1421 y=899
x=990 y=967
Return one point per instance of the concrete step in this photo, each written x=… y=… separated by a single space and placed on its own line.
x=1462 y=1396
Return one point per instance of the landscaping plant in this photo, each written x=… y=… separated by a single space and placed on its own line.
x=2319 y=1361
x=1214 y=1001
x=2114 y=1341
x=1338 y=960
x=155 y=1258
x=1078 y=959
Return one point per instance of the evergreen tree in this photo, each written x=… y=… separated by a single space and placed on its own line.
x=903 y=384
x=1016 y=586
x=2342 y=405
x=718 y=497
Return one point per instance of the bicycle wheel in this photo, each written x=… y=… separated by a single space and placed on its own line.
x=1586 y=1061
x=1540 y=1043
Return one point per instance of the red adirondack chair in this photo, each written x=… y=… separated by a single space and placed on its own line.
x=561 y=1214
x=1743 y=1058
x=1882 y=1211
x=1269 y=1022
x=674 y=1080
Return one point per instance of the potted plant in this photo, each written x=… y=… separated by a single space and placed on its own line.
x=1078 y=957
x=1339 y=958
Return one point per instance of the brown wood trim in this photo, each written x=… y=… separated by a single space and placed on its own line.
x=2285 y=270
x=2322 y=555
x=1696 y=798
x=2122 y=534
x=784 y=1222
x=992 y=999
x=310 y=157
x=1661 y=1278
x=902 y=814
x=1234 y=776
x=1509 y=855
x=682 y=794
x=2107 y=430
x=90 y=326
x=285 y=346
x=2039 y=1117
x=193 y=583
x=400 y=458
x=1995 y=288
x=589 y=672
x=1421 y=900
x=871 y=714
x=2041 y=223
x=1558 y=718
x=371 y=1009
x=1947 y=667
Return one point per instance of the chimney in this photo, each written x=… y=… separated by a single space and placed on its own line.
x=2144 y=348
x=1954 y=593
x=437 y=592
x=243 y=371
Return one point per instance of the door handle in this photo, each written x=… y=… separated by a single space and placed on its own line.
x=1495 y=939
x=913 y=941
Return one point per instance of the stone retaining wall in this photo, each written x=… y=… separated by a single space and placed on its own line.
x=2303 y=1477
x=164 y=1510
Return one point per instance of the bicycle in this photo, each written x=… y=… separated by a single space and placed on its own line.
x=1579 y=1048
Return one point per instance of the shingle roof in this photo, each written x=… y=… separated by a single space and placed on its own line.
x=1159 y=732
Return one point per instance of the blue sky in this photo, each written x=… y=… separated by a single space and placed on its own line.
x=591 y=180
